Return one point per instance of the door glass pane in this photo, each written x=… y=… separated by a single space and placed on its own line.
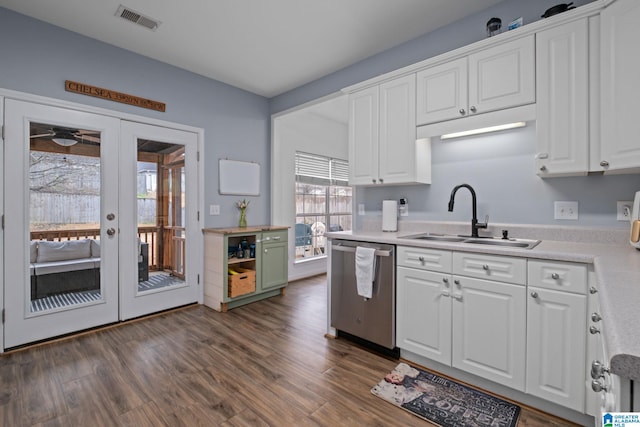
x=64 y=217
x=161 y=225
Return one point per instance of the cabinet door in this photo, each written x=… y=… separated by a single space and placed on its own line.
x=442 y=92
x=489 y=330
x=423 y=313
x=274 y=271
x=502 y=76
x=556 y=340
x=620 y=142
x=363 y=137
x=562 y=76
x=397 y=143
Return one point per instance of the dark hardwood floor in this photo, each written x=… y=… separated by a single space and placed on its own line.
x=265 y=364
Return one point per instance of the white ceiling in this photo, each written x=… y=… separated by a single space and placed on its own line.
x=263 y=46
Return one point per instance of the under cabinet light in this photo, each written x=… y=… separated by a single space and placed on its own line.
x=483 y=130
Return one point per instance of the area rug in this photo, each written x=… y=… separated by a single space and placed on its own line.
x=443 y=401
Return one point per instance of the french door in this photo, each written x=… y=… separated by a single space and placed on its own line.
x=99 y=220
x=158 y=183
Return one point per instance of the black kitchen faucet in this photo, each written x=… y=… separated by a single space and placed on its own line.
x=475 y=225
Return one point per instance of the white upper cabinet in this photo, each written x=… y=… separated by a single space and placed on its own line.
x=619 y=148
x=562 y=110
x=363 y=136
x=502 y=76
x=442 y=92
x=382 y=136
x=495 y=78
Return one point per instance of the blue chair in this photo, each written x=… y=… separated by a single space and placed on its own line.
x=303 y=235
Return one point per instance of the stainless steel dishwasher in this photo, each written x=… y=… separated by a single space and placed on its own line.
x=372 y=319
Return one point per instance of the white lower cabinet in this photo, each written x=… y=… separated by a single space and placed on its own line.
x=520 y=323
x=423 y=321
x=489 y=330
x=472 y=324
x=557 y=332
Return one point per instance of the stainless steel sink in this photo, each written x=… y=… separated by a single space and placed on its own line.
x=514 y=243
x=436 y=237
x=491 y=241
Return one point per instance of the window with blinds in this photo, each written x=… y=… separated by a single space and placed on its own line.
x=314 y=169
x=323 y=201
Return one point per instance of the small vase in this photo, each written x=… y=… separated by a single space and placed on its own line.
x=243 y=219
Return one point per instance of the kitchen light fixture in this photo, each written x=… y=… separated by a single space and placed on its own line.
x=483 y=130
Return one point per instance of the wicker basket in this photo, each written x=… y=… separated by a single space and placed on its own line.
x=242 y=283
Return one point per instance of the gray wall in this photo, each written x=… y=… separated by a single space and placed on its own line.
x=501 y=169
x=37 y=58
x=499 y=166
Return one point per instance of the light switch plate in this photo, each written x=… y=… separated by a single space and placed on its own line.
x=361 y=209
x=565 y=210
x=214 y=209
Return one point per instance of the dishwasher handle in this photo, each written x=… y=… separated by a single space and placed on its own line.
x=379 y=252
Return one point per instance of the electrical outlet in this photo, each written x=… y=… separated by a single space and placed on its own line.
x=361 y=209
x=565 y=210
x=624 y=210
x=404 y=207
x=214 y=209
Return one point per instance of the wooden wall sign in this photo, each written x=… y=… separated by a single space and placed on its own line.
x=112 y=95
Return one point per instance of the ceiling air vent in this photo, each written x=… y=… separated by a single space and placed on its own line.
x=137 y=18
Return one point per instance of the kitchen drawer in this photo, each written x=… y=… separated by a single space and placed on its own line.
x=275 y=236
x=491 y=267
x=424 y=259
x=559 y=276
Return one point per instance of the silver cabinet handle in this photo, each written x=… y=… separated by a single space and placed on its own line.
x=473 y=109
x=555 y=276
x=276 y=238
x=111 y=231
x=373 y=180
x=456 y=281
x=381 y=180
x=593 y=330
x=598 y=369
x=266 y=250
x=445 y=280
x=485 y=267
x=457 y=297
x=595 y=317
x=604 y=163
x=534 y=295
x=421 y=259
x=542 y=156
x=462 y=112
x=597 y=386
x=593 y=290
x=543 y=168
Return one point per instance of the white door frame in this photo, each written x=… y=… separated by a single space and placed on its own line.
x=2 y=227
x=197 y=238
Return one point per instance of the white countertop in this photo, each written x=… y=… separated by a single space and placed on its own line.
x=617 y=270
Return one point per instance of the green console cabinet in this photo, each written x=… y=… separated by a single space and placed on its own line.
x=243 y=265
x=274 y=260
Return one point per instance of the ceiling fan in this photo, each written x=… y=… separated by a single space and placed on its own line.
x=67 y=137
